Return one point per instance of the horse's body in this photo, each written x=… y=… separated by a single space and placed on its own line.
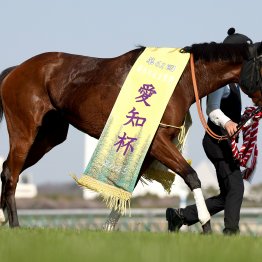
x=46 y=93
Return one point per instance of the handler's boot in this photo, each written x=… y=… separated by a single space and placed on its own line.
x=175 y=219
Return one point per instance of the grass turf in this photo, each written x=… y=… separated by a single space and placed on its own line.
x=36 y=244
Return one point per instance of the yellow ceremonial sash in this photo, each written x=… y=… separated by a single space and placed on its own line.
x=131 y=126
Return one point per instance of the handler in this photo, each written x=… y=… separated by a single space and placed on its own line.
x=224 y=113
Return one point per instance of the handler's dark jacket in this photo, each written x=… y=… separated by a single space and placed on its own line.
x=231 y=107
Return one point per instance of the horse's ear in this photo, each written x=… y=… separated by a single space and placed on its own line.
x=186 y=49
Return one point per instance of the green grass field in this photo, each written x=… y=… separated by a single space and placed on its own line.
x=82 y=245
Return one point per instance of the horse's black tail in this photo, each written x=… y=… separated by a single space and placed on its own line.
x=2 y=77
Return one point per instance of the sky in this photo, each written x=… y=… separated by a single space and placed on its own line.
x=108 y=29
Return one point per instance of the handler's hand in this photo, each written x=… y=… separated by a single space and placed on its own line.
x=231 y=127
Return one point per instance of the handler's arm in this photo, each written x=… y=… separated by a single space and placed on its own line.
x=216 y=115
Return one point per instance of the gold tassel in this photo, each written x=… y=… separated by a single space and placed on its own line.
x=115 y=198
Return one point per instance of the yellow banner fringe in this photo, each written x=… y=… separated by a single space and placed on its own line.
x=115 y=198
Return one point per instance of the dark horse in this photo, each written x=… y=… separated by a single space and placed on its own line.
x=46 y=93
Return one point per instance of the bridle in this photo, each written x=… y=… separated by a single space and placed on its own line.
x=249 y=77
x=254 y=80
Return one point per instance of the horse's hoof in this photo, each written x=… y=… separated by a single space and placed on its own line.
x=207 y=228
x=109 y=227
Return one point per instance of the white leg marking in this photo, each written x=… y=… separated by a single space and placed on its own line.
x=203 y=214
x=3 y=218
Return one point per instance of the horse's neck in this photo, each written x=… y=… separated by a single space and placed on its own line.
x=212 y=76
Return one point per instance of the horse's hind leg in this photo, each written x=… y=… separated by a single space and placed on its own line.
x=21 y=136
x=3 y=211
x=9 y=176
x=26 y=150
x=20 y=144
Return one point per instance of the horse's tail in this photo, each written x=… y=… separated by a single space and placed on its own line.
x=2 y=77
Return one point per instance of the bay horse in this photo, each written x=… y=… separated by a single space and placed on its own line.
x=43 y=95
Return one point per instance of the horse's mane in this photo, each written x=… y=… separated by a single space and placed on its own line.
x=215 y=51
x=218 y=51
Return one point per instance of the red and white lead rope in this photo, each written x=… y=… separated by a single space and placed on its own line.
x=247 y=155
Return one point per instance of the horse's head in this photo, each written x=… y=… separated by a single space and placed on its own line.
x=251 y=74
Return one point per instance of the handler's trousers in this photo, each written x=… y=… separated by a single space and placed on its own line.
x=230 y=182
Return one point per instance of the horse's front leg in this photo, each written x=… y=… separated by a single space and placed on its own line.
x=166 y=152
x=112 y=220
x=115 y=215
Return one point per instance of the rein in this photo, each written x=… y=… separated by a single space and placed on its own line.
x=199 y=109
x=201 y=115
